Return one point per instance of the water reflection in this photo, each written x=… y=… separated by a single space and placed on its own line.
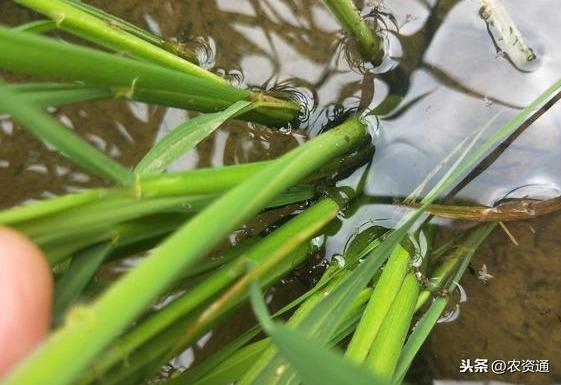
x=447 y=97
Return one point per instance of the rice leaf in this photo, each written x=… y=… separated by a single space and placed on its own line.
x=74 y=280
x=54 y=95
x=314 y=363
x=232 y=368
x=231 y=362
x=418 y=337
x=184 y=138
x=43 y=208
x=152 y=355
x=117 y=22
x=132 y=79
x=36 y=26
x=83 y=24
x=49 y=130
x=226 y=365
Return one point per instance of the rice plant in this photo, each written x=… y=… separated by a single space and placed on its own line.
x=355 y=323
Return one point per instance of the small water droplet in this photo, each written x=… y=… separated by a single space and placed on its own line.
x=340 y=260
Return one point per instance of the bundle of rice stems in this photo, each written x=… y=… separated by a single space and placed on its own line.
x=118 y=337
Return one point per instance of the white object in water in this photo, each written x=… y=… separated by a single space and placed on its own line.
x=508 y=36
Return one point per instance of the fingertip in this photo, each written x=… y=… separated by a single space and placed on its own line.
x=26 y=288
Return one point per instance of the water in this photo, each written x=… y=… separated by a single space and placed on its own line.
x=444 y=69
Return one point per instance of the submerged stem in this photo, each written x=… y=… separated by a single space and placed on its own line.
x=349 y=18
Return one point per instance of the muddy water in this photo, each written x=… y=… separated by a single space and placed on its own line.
x=444 y=69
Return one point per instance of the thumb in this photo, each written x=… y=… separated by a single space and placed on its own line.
x=26 y=287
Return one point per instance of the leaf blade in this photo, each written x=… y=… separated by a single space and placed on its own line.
x=69 y=287
x=49 y=130
x=314 y=363
x=185 y=137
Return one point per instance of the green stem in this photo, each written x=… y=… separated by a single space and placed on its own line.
x=177 y=49
x=155 y=352
x=204 y=181
x=74 y=280
x=382 y=298
x=47 y=207
x=473 y=241
x=94 y=222
x=73 y=20
x=62 y=357
x=133 y=79
x=54 y=95
x=265 y=255
x=349 y=18
x=198 y=182
x=107 y=213
x=465 y=247
x=384 y=354
x=223 y=370
x=440 y=274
